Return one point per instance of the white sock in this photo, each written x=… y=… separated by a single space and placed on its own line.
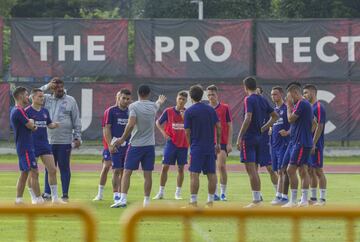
x=123 y=197
x=285 y=196
x=54 y=192
x=193 y=198
x=323 y=194
x=210 y=198
x=178 y=190
x=304 y=195
x=294 y=195
x=32 y=194
x=161 y=189
x=275 y=187
x=256 y=195
x=313 y=192
x=101 y=191
x=146 y=201
x=278 y=194
x=116 y=194
x=223 y=189
x=19 y=200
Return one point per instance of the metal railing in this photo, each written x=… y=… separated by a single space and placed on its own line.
x=133 y=216
x=33 y=212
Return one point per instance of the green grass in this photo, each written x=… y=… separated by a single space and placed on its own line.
x=96 y=159
x=342 y=190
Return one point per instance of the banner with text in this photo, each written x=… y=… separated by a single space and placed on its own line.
x=193 y=49
x=306 y=49
x=69 y=47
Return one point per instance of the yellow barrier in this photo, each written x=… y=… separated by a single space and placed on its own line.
x=33 y=211
x=132 y=217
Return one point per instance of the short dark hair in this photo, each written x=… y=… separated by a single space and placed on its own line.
x=183 y=94
x=212 y=88
x=280 y=89
x=196 y=92
x=311 y=87
x=261 y=90
x=294 y=87
x=36 y=90
x=125 y=91
x=293 y=83
x=57 y=80
x=143 y=90
x=18 y=91
x=250 y=83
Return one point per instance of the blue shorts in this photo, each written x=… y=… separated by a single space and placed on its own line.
x=202 y=162
x=316 y=160
x=250 y=150
x=286 y=159
x=118 y=158
x=264 y=158
x=300 y=155
x=277 y=156
x=106 y=155
x=173 y=154
x=27 y=160
x=42 y=150
x=141 y=154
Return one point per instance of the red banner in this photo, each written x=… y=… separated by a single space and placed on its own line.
x=193 y=49
x=4 y=110
x=68 y=47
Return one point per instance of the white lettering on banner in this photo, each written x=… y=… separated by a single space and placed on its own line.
x=188 y=45
x=299 y=48
x=86 y=108
x=327 y=97
x=92 y=48
x=75 y=47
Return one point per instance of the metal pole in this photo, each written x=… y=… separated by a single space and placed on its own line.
x=201 y=10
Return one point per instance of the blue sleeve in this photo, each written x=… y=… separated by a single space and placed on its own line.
x=21 y=117
x=268 y=107
x=48 y=120
x=164 y=117
x=321 y=112
x=299 y=108
x=249 y=105
x=228 y=116
x=215 y=117
x=187 y=120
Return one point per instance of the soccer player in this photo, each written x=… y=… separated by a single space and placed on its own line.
x=141 y=125
x=265 y=154
x=279 y=143
x=200 y=121
x=115 y=120
x=316 y=159
x=171 y=126
x=63 y=109
x=23 y=126
x=42 y=120
x=302 y=117
x=223 y=113
x=249 y=138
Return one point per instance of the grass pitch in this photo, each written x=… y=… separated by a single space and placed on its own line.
x=342 y=190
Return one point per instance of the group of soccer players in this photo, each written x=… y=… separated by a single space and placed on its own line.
x=286 y=139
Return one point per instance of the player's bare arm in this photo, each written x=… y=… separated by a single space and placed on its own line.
x=292 y=117
x=161 y=100
x=273 y=117
x=31 y=125
x=244 y=127
x=108 y=138
x=284 y=132
x=188 y=132
x=218 y=137
x=318 y=131
x=161 y=129
x=229 y=143
x=54 y=125
x=128 y=129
